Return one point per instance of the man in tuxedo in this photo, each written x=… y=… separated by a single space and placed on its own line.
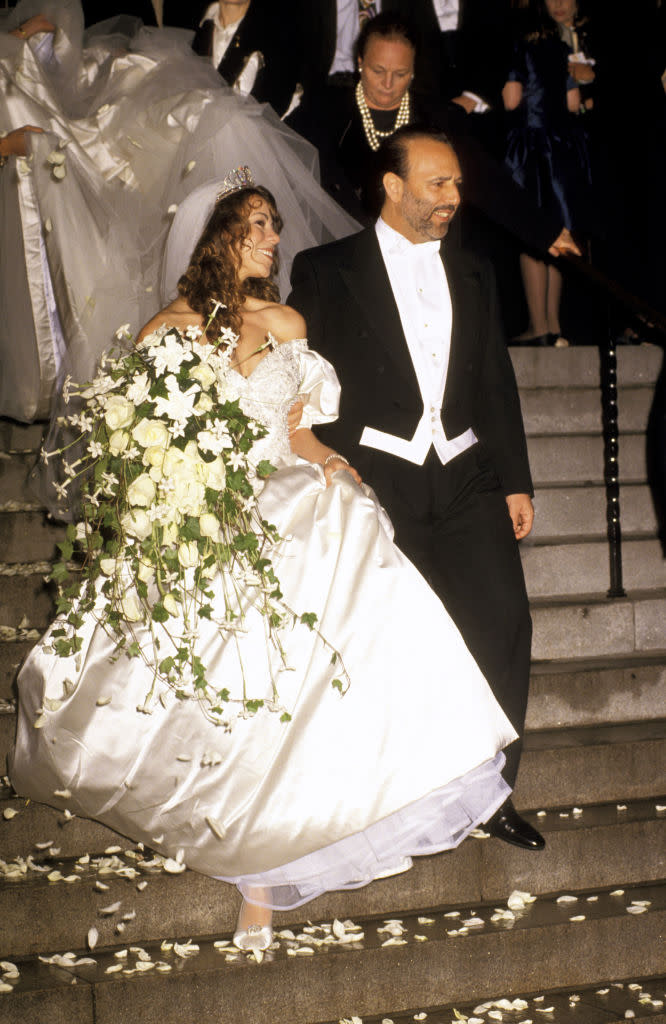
x=234 y=33
x=430 y=414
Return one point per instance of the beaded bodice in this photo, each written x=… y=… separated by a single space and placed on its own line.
x=267 y=394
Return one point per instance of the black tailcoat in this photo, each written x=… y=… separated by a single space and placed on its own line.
x=451 y=520
x=271 y=29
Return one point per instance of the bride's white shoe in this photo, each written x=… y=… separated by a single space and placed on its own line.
x=256 y=938
x=253 y=930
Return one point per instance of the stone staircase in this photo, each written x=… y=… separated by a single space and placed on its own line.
x=446 y=934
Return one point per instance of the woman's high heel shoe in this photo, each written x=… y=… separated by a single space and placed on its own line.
x=254 y=933
x=256 y=938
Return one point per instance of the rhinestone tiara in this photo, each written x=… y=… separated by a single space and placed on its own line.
x=239 y=177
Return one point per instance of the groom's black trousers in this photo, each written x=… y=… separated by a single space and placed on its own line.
x=452 y=522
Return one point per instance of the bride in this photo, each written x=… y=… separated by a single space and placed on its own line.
x=405 y=763
x=131 y=121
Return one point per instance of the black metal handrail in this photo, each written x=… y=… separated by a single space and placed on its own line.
x=655 y=321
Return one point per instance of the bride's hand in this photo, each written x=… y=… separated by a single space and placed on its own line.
x=334 y=465
x=294 y=416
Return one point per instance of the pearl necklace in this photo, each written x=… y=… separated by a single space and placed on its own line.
x=372 y=133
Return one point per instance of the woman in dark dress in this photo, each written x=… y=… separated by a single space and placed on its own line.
x=546 y=142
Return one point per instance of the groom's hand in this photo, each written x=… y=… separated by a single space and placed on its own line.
x=521 y=511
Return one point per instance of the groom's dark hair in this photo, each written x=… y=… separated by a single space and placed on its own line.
x=393 y=154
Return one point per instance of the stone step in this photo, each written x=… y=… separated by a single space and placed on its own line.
x=28 y=536
x=26 y=598
x=591 y=848
x=561 y=412
x=580 y=513
x=595 y=627
x=578 y=366
x=640 y=1000
x=553 y=570
x=580 y=460
x=592 y=764
x=21 y=437
x=549 y=945
x=12 y=653
x=585 y=694
x=15 y=470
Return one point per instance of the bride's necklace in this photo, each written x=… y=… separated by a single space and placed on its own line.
x=372 y=133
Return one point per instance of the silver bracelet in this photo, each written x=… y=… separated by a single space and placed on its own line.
x=334 y=455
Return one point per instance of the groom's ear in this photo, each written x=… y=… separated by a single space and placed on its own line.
x=393 y=186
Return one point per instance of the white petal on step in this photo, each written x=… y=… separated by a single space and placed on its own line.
x=93 y=936
x=338 y=929
x=567 y=899
x=9 y=813
x=112 y=908
x=577 y=917
x=101 y=702
x=636 y=910
x=216 y=828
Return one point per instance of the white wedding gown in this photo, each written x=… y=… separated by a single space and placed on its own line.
x=407 y=762
x=141 y=122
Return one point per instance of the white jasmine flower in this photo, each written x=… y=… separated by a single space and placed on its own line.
x=179 y=406
x=123 y=332
x=167 y=355
x=96 y=450
x=237 y=460
x=139 y=389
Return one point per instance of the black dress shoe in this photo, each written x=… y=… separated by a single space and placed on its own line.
x=508 y=825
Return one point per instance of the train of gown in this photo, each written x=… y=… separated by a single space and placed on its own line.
x=406 y=762
x=137 y=122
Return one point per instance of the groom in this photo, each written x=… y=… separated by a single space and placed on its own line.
x=430 y=414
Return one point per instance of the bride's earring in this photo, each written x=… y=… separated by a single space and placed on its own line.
x=253 y=928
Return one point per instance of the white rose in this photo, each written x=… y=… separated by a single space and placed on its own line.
x=188 y=495
x=169 y=535
x=137 y=524
x=170 y=603
x=217 y=475
x=151 y=433
x=118 y=441
x=118 y=412
x=145 y=572
x=155 y=474
x=141 y=491
x=188 y=554
x=209 y=526
x=205 y=404
x=108 y=566
x=173 y=459
x=131 y=607
x=203 y=374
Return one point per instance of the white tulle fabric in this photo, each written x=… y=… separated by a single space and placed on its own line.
x=405 y=763
x=144 y=122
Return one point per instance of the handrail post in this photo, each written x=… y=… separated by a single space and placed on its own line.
x=611 y=435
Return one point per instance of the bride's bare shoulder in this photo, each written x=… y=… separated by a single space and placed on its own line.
x=176 y=314
x=284 y=322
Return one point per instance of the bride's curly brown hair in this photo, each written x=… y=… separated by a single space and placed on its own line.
x=212 y=275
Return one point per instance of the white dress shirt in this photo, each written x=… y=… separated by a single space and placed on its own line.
x=222 y=36
x=421 y=292
x=346 y=34
x=448 y=14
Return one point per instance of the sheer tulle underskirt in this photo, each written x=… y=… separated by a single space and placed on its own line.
x=437 y=822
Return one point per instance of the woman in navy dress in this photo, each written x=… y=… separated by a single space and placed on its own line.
x=546 y=143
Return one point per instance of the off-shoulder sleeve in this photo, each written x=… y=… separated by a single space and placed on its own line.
x=319 y=388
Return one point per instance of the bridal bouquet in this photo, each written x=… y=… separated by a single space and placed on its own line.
x=168 y=504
